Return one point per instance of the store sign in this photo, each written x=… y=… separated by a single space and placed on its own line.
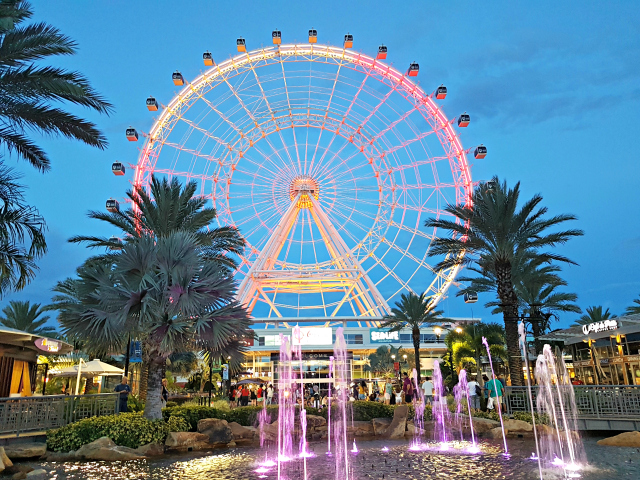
x=597 y=327
x=47 y=345
x=312 y=336
x=225 y=372
x=383 y=336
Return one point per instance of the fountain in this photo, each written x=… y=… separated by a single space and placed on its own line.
x=286 y=404
x=418 y=407
x=494 y=378
x=330 y=387
x=342 y=414
x=462 y=396
x=440 y=409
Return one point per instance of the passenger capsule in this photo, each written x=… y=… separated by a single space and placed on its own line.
x=117 y=168
x=276 y=36
x=112 y=205
x=241 y=44
x=463 y=120
x=178 y=79
x=382 y=52
x=414 y=68
x=132 y=135
x=470 y=297
x=348 y=41
x=441 y=92
x=313 y=36
x=116 y=243
x=152 y=105
x=207 y=59
x=480 y=152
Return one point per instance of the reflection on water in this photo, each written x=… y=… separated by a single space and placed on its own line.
x=371 y=462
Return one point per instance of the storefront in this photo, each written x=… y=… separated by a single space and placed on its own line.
x=603 y=353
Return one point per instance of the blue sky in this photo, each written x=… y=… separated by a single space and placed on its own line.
x=553 y=89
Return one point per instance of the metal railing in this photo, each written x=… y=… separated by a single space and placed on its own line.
x=593 y=401
x=19 y=415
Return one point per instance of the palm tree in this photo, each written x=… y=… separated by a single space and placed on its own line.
x=469 y=341
x=21 y=234
x=27 y=318
x=27 y=91
x=413 y=312
x=493 y=234
x=633 y=309
x=594 y=314
x=163 y=291
x=381 y=361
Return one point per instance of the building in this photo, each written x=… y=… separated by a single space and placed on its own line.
x=317 y=342
x=603 y=353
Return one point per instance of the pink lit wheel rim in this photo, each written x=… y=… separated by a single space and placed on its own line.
x=349 y=132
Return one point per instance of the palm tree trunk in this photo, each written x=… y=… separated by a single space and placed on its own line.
x=536 y=327
x=416 y=350
x=479 y=368
x=153 y=405
x=509 y=301
x=144 y=377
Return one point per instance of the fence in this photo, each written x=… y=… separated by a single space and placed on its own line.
x=599 y=401
x=21 y=415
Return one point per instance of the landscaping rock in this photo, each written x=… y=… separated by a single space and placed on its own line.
x=25 y=450
x=4 y=459
x=61 y=456
x=626 y=439
x=151 y=450
x=239 y=432
x=380 y=425
x=187 y=441
x=544 y=429
x=484 y=425
x=412 y=429
x=40 y=472
x=218 y=431
x=105 y=449
x=315 y=421
x=18 y=468
x=360 y=429
x=496 y=433
x=19 y=476
x=518 y=426
x=231 y=444
x=398 y=424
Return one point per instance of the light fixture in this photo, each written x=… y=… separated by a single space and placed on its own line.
x=437 y=330
x=458 y=330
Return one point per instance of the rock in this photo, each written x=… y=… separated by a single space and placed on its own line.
x=18 y=468
x=187 y=441
x=544 y=429
x=217 y=431
x=518 y=426
x=398 y=424
x=412 y=429
x=315 y=421
x=360 y=429
x=40 y=472
x=61 y=456
x=19 y=476
x=239 y=432
x=231 y=444
x=25 y=450
x=151 y=450
x=380 y=425
x=496 y=433
x=4 y=459
x=626 y=439
x=105 y=449
x=484 y=425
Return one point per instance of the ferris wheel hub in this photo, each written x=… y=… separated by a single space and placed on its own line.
x=302 y=187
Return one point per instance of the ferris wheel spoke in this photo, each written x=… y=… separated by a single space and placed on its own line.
x=195 y=153
x=378 y=262
x=413 y=231
x=206 y=133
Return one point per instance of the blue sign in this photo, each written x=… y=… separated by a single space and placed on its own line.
x=135 y=352
x=379 y=335
x=225 y=372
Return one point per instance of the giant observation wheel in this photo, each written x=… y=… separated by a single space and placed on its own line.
x=328 y=161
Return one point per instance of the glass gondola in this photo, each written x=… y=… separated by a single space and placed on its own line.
x=348 y=41
x=207 y=58
x=241 y=44
x=152 y=105
x=132 y=135
x=463 y=120
x=115 y=241
x=112 y=205
x=470 y=297
x=441 y=92
x=276 y=36
x=414 y=68
x=382 y=52
x=313 y=36
x=480 y=152
x=118 y=168
x=177 y=78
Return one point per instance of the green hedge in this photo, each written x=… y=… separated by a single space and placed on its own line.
x=126 y=429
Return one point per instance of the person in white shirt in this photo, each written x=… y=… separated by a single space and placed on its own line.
x=427 y=388
x=474 y=398
x=269 y=394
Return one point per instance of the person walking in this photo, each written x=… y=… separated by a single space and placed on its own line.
x=398 y=395
x=124 y=390
x=496 y=392
x=254 y=397
x=245 y=396
x=362 y=393
x=165 y=393
x=474 y=395
x=260 y=396
x=388 y=391
x=269 y=394
x=427 y=390
x=407 y=388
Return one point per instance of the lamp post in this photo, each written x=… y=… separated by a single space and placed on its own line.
x=438 y=332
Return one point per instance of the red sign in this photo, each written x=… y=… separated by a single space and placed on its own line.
x=396 y=366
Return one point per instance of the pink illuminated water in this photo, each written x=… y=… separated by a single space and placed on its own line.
x=440 y=409
x=286 y=405
x=329 y=405
x=342 y=415
x=463 y=396
x=418 y=407
x=499 y=407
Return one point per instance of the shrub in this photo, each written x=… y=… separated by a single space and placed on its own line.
x=366 y=411
x=492 y=415
x=177 y=424
x=526 y=416
x=134 y=404
x=171 y=404
x=125 y=429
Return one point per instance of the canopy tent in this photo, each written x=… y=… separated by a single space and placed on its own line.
x=257 y=381
x=94 y=368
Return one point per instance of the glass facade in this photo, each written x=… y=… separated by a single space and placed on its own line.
x=613 y=360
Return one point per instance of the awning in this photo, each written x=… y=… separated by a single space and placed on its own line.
x=94 y=368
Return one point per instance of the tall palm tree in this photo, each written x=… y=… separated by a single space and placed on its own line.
x=594 y=314
x=21 y=234
x=163 y=291
x=381 y=361
x=413 y=312
x=471 y=345
x=492 y=234
x=28 y=92
x=633 y=309
x=27 y=317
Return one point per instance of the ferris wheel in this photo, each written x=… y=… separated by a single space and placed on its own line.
x=328 y=161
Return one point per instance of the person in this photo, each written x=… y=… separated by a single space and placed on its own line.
x=269 y=394
x=165 y=393
x=244 y=396
x=355 y=390
x=398 y=395
x=388 y=390
x=474 y=397
x=254 y=398
x=576 y=381
x=238 y=396
x=427 y=390
x=260 y=396
x=496 y=392
x=124 y=390
x=504 y=386
x=392 y=401
x=362 y=395
x=407 y=388
x=232 y=397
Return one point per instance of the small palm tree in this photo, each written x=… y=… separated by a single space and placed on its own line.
x=27 y=90
x=413 y=312
x=381 y=362
x=27 y=317
x=493 y=234
x=470 y=343
x=162 y=291
x=594 y=314
x=633 y=309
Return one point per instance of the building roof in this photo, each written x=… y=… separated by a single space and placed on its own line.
x=626 y=324
x=42 y=345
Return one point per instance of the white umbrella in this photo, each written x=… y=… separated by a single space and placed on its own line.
x=94 y=368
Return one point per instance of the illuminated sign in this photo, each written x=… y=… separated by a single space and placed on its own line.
x=47 y=345
x=313 y=336
x=383 y=336
x=597 y=327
